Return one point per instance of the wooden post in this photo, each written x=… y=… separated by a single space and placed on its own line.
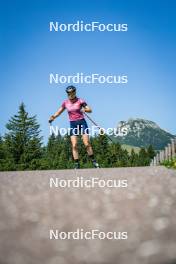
x=173 y=147
x=154 y=161
x=166 y=153
x=158 y=158
x=161 y=156
x=169 y=151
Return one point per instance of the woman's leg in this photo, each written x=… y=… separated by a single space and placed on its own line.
x=87 y=144
x=74 y=142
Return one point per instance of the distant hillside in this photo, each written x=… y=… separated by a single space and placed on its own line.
x=141 y=133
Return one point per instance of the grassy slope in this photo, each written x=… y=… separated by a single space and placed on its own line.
x=129 y=148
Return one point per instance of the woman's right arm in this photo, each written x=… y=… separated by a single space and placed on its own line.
x=59 y=111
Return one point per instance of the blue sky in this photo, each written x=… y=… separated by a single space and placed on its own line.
x=146 y=53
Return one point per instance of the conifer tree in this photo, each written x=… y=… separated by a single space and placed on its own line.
x=101 y=149
x=143 y=159
x=23 y=140
x=133 y=158
x=151 y=152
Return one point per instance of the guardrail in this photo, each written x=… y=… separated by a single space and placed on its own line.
x=167 y=154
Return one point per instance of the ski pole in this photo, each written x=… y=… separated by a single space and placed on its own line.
x=96 y=125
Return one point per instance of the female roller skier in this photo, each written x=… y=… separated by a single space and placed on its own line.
x=76 y=108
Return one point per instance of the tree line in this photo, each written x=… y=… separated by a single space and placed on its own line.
x=21 y=148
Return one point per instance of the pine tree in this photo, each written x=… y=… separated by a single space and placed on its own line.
x=125 y=158
x=151 y=152
x=2 y=155
x=114 y=155
x=50 y=151
x=133 y=158
x=58 y=152
x=101 y=149
x=143 y=159
x=23 y=140
x=67 y=159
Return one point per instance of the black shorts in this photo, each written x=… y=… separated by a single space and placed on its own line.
x=78 y=127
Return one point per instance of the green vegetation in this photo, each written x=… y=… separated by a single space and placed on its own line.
x=21 y=149
x=170 y=163
x=129 y=148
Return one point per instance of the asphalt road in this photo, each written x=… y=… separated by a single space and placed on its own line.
x=143 y=214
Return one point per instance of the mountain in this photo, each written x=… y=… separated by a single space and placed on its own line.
x=141 y=133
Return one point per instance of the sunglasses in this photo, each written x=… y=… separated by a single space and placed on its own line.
x=71 y=92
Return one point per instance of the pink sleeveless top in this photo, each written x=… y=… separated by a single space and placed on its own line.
x=74 y=108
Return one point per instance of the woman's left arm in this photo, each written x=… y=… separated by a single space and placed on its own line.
x=86 y=109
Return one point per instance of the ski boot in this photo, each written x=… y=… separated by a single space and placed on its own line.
x=95 y=164
x=77 y=165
